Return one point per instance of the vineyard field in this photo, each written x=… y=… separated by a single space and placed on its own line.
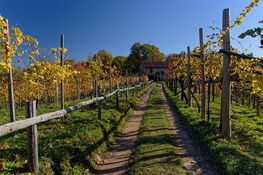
x=86 y=90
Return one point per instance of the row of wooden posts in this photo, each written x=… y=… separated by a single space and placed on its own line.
x=225 y=114
x=32 y=120
x=32 y=130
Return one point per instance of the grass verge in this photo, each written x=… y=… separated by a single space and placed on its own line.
x=70 y=145
x=243 y=154
x=155 y=151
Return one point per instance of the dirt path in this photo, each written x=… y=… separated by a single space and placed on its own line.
x=193 y=161
x=117 y=159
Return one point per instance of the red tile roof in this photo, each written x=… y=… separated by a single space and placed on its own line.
x=155 y=65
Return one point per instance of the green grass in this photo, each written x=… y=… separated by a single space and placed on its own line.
x=243 y=154
x=155 y=152
x=69 y=145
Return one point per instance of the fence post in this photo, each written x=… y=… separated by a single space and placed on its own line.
x=225 y=112
x=117 y=96
x=56 y=92
x=11 y=100
x=175 y=85
x=95 y=88
x=126 y=92
x=254 y=101
x=133 y=89
x=104 y=89
x=78 y=90
x=189 y=77
x=208 y=98
x=99 y=104
x=121 y=86
x=203 y=105
x=62 y=64
x=32 y=138
x=258 y=105
x=110 y=85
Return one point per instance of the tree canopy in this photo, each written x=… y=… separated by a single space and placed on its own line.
x=142 y=52
x=119 y=61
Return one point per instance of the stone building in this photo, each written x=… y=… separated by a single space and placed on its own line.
x=155 y=70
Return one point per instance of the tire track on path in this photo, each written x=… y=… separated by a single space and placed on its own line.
x=118 y=157
x=193 y=161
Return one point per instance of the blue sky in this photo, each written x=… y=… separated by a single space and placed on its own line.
x=114 y=25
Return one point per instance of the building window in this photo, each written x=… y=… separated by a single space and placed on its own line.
x=151 y=70
x=162 y=72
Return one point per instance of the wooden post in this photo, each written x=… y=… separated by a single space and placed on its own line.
x=62 y=100
x=110 y=85
x=95 y=88
x=121 y=86
x=203 y=105
x=92 y=89
x=117 y=96
x=126 y=92
x=99 y=104
x=182 y=88
x=104 y=86
x=189 y=77
x=242 y=97
x=175 y=85
x=32 y=138
x=195 y=87
x=258 y=105
x=57 y=98
x=78 y=90
x=226 y=89
x=11 y=99
x=133 y=90
x=208 y=99
x=254 y=101
x=249 y=100
x=213 y=91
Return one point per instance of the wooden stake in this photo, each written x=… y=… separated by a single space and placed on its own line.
x=117 y=97
x=110 y=85
x=57 y=98
x=258 y=105
x=62 y=100
x=78 y=90
x=189 y=77
x=32 y=138
x=208 y=99
x=203 y=105
x=226 y=118
x=175 y=86
x=99 y=104
x=11 y=99
x=126 y=94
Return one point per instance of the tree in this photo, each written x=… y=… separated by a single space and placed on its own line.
x=105 y=56
x=118 y=62
x=140 y=53
x=152 y=53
